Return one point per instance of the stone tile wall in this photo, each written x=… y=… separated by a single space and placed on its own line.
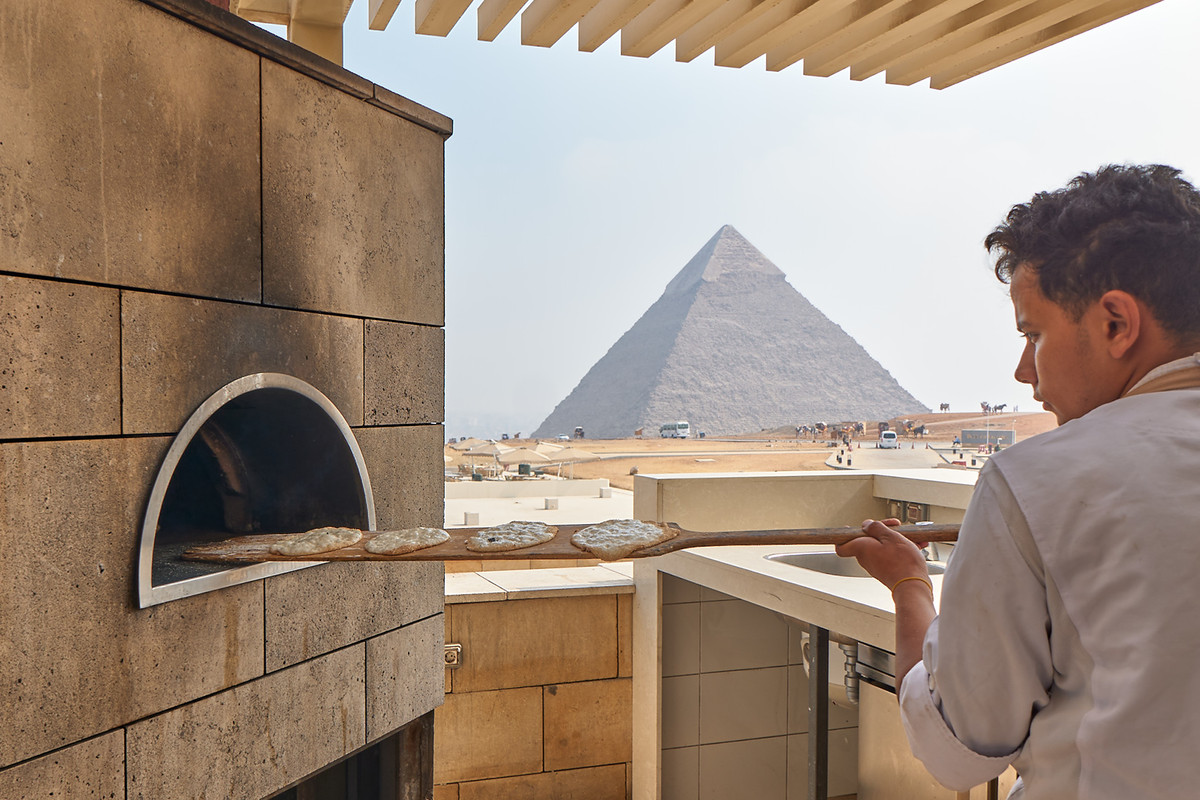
x=185 y=199
x=541 y=707
x=726 y=664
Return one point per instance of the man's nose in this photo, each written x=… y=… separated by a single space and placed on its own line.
x=1026 y=371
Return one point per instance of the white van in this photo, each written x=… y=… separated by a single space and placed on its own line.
x=888 y=441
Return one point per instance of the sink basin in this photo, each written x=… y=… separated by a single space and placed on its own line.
x=833 y=564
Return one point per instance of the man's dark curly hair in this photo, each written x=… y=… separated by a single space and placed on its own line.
x=1132 y=228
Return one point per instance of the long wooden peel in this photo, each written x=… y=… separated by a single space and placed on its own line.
x=253 y=549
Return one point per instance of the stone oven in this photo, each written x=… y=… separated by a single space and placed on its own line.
x=210 y=237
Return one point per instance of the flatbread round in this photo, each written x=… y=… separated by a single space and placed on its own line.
x=617 y=538
x=394 y=543
x=319 y=540
x=511 y=536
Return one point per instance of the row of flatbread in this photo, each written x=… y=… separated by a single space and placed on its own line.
x=610 y=540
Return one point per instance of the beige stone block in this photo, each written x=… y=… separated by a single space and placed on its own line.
x=625 y=635
x=536 y=642
x=754 y=768
x=591 y=783
x=743 y=704
x=464 y=566
x=60 y=372
x=404 y=374
x=588 y=723
x=368 y=209
x=313 y=611
x=254 y=739
x=130 y=152
x=91 y=769
x=735 y=634
x=488 y=735
x=77 y=657
x=405 y=466
x=504 y=566
x=405 y=676
x=176 y=351
x=447 y=791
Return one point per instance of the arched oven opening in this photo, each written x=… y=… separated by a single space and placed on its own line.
x=267 y=453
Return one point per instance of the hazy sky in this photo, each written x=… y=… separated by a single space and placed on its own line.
x=578 y=184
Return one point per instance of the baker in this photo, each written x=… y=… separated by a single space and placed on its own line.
x=1069 y=631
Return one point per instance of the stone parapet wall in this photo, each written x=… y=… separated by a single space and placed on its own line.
x=185 y=200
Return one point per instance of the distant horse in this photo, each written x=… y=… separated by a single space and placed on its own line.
x=944 y=407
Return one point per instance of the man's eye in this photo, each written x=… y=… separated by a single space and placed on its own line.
x=1029 y=337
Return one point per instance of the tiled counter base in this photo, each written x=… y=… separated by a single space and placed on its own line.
x=540 y=706
x=735 y=702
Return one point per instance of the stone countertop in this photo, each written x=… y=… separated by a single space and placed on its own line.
x=860 y=608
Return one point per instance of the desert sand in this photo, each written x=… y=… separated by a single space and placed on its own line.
x=776 y=450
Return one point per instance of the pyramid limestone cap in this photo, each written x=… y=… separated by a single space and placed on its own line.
x=725 y=253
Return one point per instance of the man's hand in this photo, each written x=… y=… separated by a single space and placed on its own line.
x=890 y=558
x=885 y=554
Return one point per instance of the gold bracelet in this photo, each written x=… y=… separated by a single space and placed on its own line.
x=920 y=578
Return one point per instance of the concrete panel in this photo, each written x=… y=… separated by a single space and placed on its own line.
x=254 y=739
x=404 y=374
x=320 y=609
x=176 y=351
x=60 y=372
x=488 y=735
x=405 y=676
x=76 y=657
x=588 y=723
x=405 y=467
x=352 y=224
x=124 y=163
x=91 y=769
x=535 y=642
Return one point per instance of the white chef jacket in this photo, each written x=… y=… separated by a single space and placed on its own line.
x=1068 y=638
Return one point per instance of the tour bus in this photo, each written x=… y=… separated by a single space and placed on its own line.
x=674 y=430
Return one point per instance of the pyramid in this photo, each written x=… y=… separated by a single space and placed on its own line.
x=731 y=347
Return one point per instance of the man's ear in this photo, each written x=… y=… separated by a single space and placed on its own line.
x=1123 y=319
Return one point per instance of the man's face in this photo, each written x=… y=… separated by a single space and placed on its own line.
x=1064 y=360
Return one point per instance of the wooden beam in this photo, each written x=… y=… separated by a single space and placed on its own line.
x=379 y=13
x=966 y=44
x=864 y=23
x=1080 y=23
x=438 y=17
x=609 y=16
x=875 y=30
x=494 y=15
x=705 y=33
x=544 y=22
x=933 y=37
x=746 y=42
x=315 y=37
x=907 y=27
x=658 y=25
x=791 y=47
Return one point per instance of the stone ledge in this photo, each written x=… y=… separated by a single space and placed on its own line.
x=530 y=584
